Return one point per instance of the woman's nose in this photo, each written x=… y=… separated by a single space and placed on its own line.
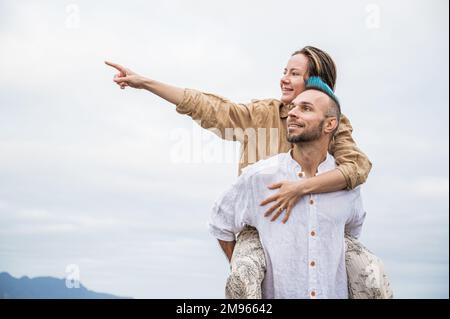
x=285 y=79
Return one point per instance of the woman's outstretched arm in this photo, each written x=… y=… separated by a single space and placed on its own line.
x=126 y=77
x=210 y=111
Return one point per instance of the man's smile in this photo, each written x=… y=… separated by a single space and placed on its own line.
x=294 y=125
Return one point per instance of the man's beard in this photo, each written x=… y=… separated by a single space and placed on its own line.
x=307 y=136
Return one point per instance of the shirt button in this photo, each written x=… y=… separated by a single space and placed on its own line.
x=313 y=294
x=311 y=201
x=313 y=233
x=300 y=174
x=312 y=263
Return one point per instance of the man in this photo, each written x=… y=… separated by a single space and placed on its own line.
x=306 y=256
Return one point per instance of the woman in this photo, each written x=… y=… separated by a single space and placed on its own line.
x=220 y=114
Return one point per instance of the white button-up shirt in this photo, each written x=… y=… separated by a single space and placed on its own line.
x=306 y=256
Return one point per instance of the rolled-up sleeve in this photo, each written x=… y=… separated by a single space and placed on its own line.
x=232 y=211
x=351 y=161
x=216 y=113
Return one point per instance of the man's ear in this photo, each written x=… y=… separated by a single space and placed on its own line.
x=331 y=124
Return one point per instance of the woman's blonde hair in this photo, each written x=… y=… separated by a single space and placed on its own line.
x=320 y=64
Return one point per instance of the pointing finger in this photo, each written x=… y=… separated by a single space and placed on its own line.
x=118 y=67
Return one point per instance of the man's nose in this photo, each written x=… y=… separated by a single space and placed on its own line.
x=293 y=112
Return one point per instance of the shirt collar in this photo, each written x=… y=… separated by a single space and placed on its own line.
x=327 y=165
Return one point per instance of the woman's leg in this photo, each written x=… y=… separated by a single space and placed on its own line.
x=248 y=267
x=367 y=278
x=365 y=272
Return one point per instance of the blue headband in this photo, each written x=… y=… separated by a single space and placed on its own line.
x=316 y=83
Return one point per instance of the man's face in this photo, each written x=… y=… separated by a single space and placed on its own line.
x=293 y=81
x=306 y=119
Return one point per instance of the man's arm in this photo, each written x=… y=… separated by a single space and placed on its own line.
x=353 y=226
x=352 y=162
x=228 y=248
x=231 y=212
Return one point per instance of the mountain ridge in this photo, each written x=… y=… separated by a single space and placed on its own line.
x=45 y=287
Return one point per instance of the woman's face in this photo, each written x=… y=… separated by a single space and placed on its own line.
x=294 y=76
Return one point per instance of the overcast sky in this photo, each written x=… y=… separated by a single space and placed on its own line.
x=87 y=172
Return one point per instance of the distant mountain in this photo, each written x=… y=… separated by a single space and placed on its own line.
x=44 y=288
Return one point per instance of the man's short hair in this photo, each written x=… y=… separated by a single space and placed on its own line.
x=334 y=109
